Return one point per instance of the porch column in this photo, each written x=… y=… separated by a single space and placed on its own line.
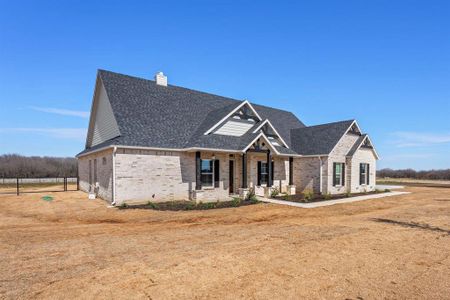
x=291 y=171
x=244 y=170
x=198 y=180
x=269 y=169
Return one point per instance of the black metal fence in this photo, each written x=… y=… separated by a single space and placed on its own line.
x=38 y=185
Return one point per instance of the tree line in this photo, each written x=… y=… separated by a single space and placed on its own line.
x=410 y=173
x=15 y=165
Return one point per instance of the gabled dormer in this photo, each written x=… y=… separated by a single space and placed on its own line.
x=271 y=133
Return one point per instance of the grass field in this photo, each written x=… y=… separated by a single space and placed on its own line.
x=71 y=247
x=414 y=182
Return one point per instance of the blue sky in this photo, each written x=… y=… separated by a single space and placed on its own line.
x=385 y=63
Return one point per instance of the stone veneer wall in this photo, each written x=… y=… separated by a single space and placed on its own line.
x=146 y=175
x=307 y=174
x=104 y=173
x=363 y=156
x=351 y=166
x=280 y=172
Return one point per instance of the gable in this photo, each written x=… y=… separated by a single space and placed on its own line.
x=271 y=133
x=363 y=144
x=102 y=125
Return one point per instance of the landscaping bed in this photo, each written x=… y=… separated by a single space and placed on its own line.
x=190 y=205
x=310 y=198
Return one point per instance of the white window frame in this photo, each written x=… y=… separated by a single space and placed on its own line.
x=365 y=173
x=341 y=179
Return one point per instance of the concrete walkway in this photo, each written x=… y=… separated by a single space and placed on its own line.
x=332 y=202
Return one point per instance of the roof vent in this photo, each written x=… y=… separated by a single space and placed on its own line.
x=161 y=79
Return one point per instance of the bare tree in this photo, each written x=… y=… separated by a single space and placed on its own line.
x=14 y=165
x=410 y=173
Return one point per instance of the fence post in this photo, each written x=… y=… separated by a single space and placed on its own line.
x=17 y=185
x=78 y=183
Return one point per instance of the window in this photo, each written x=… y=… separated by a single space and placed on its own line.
x=364 y=174
x=264 y=174
x=90 y=173
x=104 y=160
x=338 y=174
x=95 y=171
x=207 y=172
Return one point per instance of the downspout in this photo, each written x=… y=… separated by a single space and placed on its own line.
x=114 y=176
x=320 y=174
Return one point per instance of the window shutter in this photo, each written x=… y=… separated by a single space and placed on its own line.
x=273 y=164
x=368 y=174
x=361 y=178
x=259 y=173
x=334 y=174
x=343 y=174
x=216 y=173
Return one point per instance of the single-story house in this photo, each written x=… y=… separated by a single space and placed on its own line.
x=151 y=141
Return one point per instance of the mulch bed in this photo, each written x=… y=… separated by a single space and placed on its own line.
x=300 y=198
x=189 y=205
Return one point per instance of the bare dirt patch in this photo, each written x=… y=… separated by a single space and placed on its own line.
x=71 y=247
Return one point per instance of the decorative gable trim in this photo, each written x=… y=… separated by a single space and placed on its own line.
x=243 y=103
x=365 y=140
x=268 y=143
x=266 y=121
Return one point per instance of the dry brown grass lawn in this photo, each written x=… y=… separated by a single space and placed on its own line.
x=395 y=248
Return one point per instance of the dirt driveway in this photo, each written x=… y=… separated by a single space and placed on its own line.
x=395 y=248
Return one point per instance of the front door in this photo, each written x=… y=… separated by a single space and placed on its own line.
x=231 y=177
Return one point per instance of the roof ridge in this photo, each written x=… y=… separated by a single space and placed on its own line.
x=326 y=124
x=173 y=85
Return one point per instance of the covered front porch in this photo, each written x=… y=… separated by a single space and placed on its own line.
x=223 y=176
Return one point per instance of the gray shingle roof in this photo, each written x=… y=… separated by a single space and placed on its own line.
x=150 y=115
x=319 y=139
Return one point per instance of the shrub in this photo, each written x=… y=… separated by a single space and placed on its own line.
x=308 y=195
x=124 y=205
x=348 y=194
x=387 y=190
x=285 y=197
x=274 y=192
x=327 y=196
x=236 y=201
x=152 y=205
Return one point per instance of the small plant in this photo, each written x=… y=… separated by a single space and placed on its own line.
x=236 y=201
x=327 y=196
x=308 y=195
x=387 y=190
x=285 y=197
x=251 y=195
x=274 y=192
x=124 y=205
x=152 y=205
x=348 y=194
